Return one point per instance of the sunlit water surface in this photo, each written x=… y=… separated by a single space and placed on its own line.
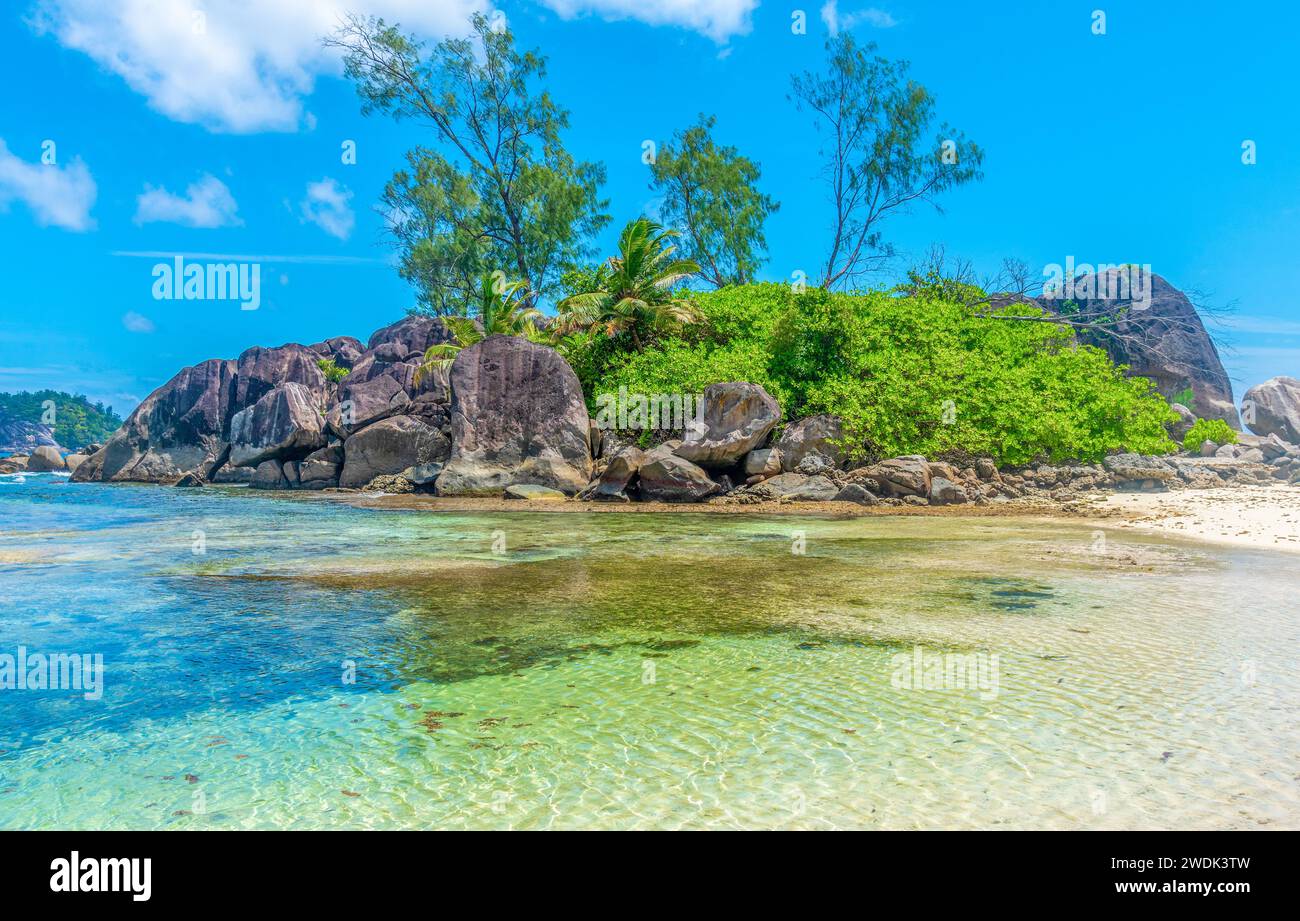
x=296 y=662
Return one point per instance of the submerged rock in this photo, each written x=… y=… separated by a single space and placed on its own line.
x=533 y=493
x=45 y=459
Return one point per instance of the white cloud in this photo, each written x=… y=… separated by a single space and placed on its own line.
x=718 y=19
x=239 y=65
x=871 y=16
x=58 y=195
x=136 y=322
x=326 y=206
x=206 y=203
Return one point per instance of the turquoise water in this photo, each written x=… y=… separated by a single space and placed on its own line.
x=296 y=662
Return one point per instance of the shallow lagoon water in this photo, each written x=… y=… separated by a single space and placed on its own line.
x=296 y=662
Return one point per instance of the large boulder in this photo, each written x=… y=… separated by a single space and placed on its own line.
x=1273 y=408
x=517 y=416
x=623 y=467
x=388 y=447
x=285 y=424
x=75 y=460
x=898 y=477
x=45 y=459
x=181 y=426
x=1161 y=338
x=410 y=337
x=320 y=469
x=345 y=351
x=668 y=477
x=737 y=418
x=818 y=435
x=259 y=371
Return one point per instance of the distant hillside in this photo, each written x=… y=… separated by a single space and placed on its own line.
x=77 y=421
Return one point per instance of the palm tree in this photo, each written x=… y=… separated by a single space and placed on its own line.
x=503 y=310
x=634 y=288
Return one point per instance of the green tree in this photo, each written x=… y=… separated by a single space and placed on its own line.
x=500 y=192
x=503 y=310
x=632 y=292
x=877 y=162
x=710 y=197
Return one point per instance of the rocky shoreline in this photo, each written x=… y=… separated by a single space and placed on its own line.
x=509 y=421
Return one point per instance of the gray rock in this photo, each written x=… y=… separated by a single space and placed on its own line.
x=1139 y=468
x=856 y=492
x=898 y=476
x=812 y=489
x=1274 y=447
x=388 y=447
x=181 y=426
x=424 y=474
x=814 y=464
x=1227 y=451
x=393 y=483
x=284 y=424
x=813 y=435
x=517 y=416
x=270 y=475
x=412 y=336
x=1275 y=408
x=75 y=460
x=320 y=469
x=45 y=459
x=944 y=491
x=737 y=418
x=667 y=477
x=189 y=480
x=618 y=475
x=1186 y=419
x=1209 y=449
x=763 y=462
x=1251 y=456
x=987 y=470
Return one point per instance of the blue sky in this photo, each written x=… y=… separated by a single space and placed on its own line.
x=1122 y=147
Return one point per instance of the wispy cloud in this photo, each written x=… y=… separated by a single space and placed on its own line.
x=326 y=206
x=137 y=322
x=58 y=196
x=206 y=203
x=717 y=19
x=835 y=20
x=229 y=65
x=1268 y=326
x=304 y=259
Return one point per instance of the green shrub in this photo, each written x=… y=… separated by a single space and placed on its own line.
x=1215 y=430
x=333 y=372
x=919 y=373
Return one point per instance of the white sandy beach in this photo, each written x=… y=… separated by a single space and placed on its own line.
x=1266 y=517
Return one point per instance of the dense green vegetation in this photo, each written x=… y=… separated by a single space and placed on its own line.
x=77 y=421
x=1215 y=430
x=913 y=373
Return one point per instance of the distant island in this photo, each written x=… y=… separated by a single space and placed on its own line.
x=53 y=418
